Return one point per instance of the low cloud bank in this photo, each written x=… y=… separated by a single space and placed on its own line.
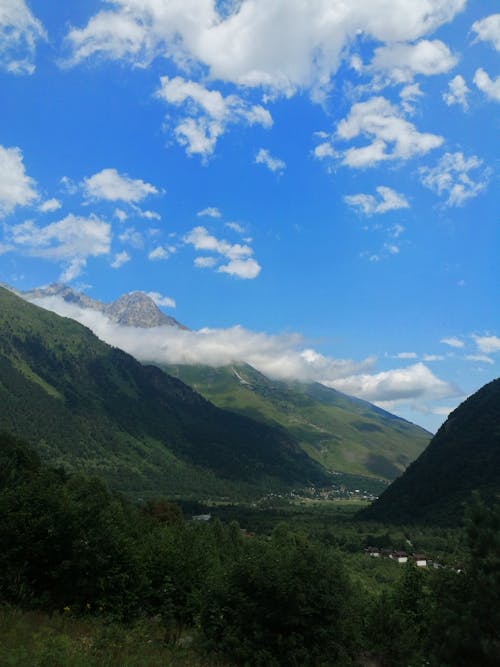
x=279 y=356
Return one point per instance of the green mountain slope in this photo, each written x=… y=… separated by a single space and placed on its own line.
x=92 y=407
x=344 y=434
x=463 y=456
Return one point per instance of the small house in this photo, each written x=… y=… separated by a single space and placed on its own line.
x=420 y=560
x=399 y=556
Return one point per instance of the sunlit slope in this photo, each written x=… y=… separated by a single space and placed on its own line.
x=92 y=407
x=463 y=456
x=342 y=433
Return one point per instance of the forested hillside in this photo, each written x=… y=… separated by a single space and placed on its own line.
x=91 y=407
x=126 y=584
x=463 y=456
x=342 y=433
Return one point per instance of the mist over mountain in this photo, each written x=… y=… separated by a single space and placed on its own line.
x=136 y=309
x=91 y=407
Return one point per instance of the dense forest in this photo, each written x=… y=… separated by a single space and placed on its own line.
x=90 y=579
x=463 y=456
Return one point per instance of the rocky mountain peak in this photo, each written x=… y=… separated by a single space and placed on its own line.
x=135 y=309
x=139 y=310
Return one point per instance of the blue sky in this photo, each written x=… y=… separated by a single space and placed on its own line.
x=311 y=186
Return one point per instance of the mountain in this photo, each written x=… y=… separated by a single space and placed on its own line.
x=463 y=456
x=135 y=309
x=344 y=434
x=88 y=406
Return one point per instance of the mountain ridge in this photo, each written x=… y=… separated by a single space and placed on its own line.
x=463 y=456
x=95 y=408
x=135 y=309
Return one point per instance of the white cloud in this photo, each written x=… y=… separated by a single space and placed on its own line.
x=148 y=215
x=280 y=356
x=205 y=262
x=487 y=344
x=457 y=92
x=241 y=263
x=159 y=253
x=481 y=358
x=490 y=87
x=406 y=355
x=388 y=200
x=392 y=136
x=19 y=33
x=202 y=240
x=235 y=227
x=132 y=237
x=272 y=163
x=409 y=94
x=50 y=206
x=70 y=241
x=120 y=259
x=415 y=382
x=120 y=214
x=210 y=212
x=208 y=114
x=108 y=184
x=283 y=45
x=433 y=357
x=161 y=300
x=16 y=187
x=452 y=341
x=451 y=177
x=488 y=30
x=324 y=150
x=401 y=62
x=242 y=268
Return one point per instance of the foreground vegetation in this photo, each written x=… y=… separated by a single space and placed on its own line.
x=88 y=578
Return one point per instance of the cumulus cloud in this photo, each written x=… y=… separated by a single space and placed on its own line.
x=388 y=200
x=412 y=383
x=50 y=206
x=19 y=33
x=70 y=241
x=274 y=164
x=450 y=177
x=457 y=92
x=452 y=341
x=283 y=45
x=391 y=136
x=16 y=187
x=120 y=259
x=401 y=62
x=208 y=113
x=205 y=262
x=406 y=355
x=487 y=344
x=241 y=263
x=235 y=227
x=109 y=185
x=490 y=87
x=210 y=212
x=242 y=268
x=158 y=254
x=488 y=30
